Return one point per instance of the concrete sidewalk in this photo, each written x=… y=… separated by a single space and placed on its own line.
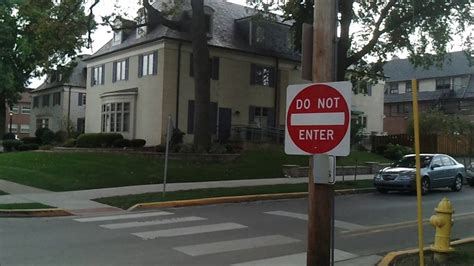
x=80 y=202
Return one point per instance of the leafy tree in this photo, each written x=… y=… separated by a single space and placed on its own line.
x=437 y=122
x=36 y=36
x=387 y=27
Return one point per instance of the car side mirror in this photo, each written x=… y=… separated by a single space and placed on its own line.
x=435 y=166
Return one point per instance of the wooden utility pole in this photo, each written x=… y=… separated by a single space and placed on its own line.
x=321 y=196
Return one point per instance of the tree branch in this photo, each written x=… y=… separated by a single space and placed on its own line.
x=89 y=23
x=375 y=36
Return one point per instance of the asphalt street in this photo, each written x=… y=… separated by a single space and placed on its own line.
x=258 y=233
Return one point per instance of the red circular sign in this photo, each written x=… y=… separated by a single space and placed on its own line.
x=318 y=119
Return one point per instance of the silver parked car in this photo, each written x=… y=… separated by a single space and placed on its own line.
x=437 y=170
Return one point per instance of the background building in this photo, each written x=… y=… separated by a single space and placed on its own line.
x=20 y=116
x=449 y=88
x=61 y=101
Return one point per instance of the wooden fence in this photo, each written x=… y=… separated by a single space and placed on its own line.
x=455 y=145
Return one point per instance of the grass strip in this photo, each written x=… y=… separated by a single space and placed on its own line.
x=463 y=255
x=23 y=206
x=3 y=193
x=125 y=202
x=57 y=171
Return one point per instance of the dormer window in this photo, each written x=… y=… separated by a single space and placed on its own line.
x=259 y=35
x=208 y=17
x=141 y=20
x=118 y=32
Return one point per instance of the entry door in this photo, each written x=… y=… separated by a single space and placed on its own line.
x=225 y=123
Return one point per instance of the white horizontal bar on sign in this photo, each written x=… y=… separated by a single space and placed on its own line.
x=314 y=119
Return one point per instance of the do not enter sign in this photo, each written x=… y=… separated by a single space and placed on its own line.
x=318 y=119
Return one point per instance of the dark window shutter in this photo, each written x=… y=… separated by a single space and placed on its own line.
x=251 y=114
x=79 y=99
x=215 y=68
x=253 y=69
x=114 y=72
x=213 y=117
x=191 y=65
x=272 y=77
x=191 y=117
x=92 y=76
x=140 y=66
x=271 y=117
x=103 y=74
x=127 y=62
x=155 y=63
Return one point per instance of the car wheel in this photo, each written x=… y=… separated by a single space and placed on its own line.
x=457 y=185
x=382 y=190
x=425 y=185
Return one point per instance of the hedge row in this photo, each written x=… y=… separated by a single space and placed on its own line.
x=18 y=145
x=97 y=140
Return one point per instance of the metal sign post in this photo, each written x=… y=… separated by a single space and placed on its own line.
x=168 y=133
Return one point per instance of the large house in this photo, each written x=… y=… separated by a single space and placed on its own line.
x=449 y=87
x=59 y=103
x=18 y=116
x=144 y=75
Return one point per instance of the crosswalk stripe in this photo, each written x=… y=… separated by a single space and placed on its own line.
x=294 y=259
x=153 y=222
x=237 y=244
x=124 y=216
x=301 y=216
x=182 y=231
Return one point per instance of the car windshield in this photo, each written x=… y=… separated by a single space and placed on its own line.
x=409 y=162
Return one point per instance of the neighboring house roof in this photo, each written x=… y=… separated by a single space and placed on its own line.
x=225 y=32
x=454 y=64
x=76 y=79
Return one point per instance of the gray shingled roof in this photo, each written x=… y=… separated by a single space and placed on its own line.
x=76 y=79
x=454 y=64
x=224 y=32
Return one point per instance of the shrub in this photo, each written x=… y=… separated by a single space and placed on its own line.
x=185 y=148
x=234 y=147
x=69 y=143
x=39 y=132
x=28 y=147
x=217 y=148
x=48 y=137
x=121 y=143
x=11 y=144
x=380 y=149
x=60 y=136
x=396 y=152
x=160 y=148
x=176 y=137
x=137 y=143
x=97 y=140
x=31 y=140
x=9 y=136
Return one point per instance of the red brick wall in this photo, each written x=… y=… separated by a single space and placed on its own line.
x=18 y=118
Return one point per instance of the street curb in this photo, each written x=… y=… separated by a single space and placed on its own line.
x=54 y=212
x=237 y=199
x=391 y=256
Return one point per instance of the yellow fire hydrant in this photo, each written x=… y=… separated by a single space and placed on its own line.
x=443 y=223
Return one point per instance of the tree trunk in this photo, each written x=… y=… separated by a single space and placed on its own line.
x=3 y=114
x=202 y=83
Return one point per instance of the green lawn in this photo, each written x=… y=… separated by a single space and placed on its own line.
x=463 y=255
x=76 y=171
x=126 y=202
x=3 y=193
x=23 y=206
